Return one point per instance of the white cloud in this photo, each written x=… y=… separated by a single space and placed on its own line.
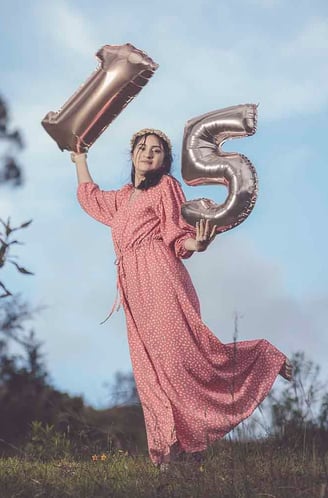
x=287 y=74
x=266 y=4
x=66 y=26
x=235 y=277
x=281 y=72
x=311 y=41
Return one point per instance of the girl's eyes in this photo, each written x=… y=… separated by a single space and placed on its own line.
x=142 y=147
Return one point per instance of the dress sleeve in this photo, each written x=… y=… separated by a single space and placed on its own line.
x=174 y=229
x=99 y=204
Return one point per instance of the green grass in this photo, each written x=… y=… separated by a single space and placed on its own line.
x=230 y=469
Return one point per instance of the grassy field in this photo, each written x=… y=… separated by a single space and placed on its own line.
x=230 y=469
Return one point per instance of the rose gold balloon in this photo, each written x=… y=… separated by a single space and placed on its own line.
x=204 y=163
x=123 y=72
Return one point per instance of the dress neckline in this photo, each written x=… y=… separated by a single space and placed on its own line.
x=131 y=194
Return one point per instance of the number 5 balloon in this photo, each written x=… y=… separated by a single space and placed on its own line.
x=204 y=162
x=122 y=73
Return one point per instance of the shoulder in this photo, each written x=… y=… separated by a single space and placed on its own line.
x=169 y=180
x=171 y=190
x=116 y=195
x=123 y=192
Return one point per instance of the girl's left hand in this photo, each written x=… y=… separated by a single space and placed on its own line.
x=203 y=235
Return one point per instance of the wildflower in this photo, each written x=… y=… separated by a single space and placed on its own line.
x=103 y=457
x=94 y=457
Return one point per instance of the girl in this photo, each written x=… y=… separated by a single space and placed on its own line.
x=193 y=388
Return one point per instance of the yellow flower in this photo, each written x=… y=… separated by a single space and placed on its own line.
x=103 y=457
x=94 y=457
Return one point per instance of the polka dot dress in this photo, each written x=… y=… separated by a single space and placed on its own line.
x=193 y=388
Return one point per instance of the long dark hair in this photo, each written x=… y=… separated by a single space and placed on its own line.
x=152 y=178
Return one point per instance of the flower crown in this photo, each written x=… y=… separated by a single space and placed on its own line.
x=151 y=131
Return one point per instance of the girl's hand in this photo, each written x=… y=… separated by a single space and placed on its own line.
x=78 y=158
x=203 y=235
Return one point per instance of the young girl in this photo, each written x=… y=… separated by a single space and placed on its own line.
x=193 y=388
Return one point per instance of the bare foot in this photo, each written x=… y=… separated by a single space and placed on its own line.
x=286 y=370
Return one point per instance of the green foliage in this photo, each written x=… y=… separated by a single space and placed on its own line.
x=10 y=172
x=5 y=245
x=323 y=415
x=45 y=443
x=25 y=392
x=303 y=401
x=27 y=396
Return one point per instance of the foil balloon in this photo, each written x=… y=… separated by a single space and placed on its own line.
x=205 y=163
x=123 y=71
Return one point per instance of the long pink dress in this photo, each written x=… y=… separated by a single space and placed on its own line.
x=193 y=388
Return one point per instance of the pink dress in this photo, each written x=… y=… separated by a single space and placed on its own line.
x=193 y=388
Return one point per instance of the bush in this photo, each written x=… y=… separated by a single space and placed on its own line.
x=45 y=443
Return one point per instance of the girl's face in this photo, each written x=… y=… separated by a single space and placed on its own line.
x=148 y=154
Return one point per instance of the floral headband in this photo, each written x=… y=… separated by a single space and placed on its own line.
x=151 y=131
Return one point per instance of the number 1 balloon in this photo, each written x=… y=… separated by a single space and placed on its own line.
x=123 y=71
x=204 y=162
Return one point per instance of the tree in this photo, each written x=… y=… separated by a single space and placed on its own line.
x=10 y=171
x=123 y=391
x=5 y=245
x=299 y=411
x=301 y=401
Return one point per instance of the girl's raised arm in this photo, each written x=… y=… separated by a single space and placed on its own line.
x=82 y=171
x=99 y=204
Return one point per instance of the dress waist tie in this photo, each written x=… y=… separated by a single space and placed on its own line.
x=117 y=303
x=119 y=288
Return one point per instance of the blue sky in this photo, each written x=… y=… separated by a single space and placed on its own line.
x=272 y=269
